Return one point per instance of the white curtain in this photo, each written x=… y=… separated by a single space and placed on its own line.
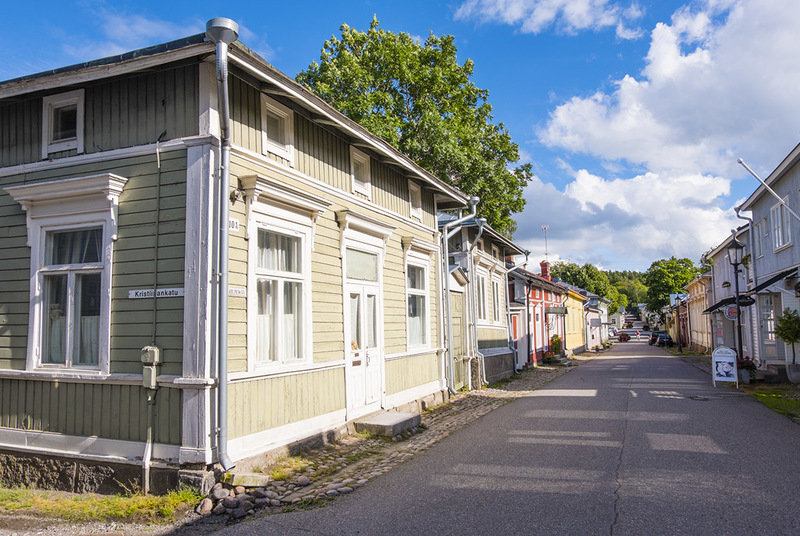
x=57 y=340
x=263 y=337
x=90 y=340
x=416 y=320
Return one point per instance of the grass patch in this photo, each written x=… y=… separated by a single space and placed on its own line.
x=358 y=456
x=783 y=399
x=284 y=468
x=133 y=507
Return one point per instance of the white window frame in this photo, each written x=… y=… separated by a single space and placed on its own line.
x=781 y=226
x=415 y=200
x=496 y=284
x=62 y=205
x=496 y=253
x=302 y=233
x=418 y=260
x=277 y=208
x=480 y=282
x=284 y=150
x=50 y=105
x=363 y=187
x=760 y=235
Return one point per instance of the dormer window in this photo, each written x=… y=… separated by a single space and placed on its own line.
x=278 y=129
x=62 y=122
x=360 y=171
x=415 y=200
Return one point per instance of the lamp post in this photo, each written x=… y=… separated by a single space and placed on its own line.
x=735 y=251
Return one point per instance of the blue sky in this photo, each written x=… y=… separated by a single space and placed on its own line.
x=632 y=113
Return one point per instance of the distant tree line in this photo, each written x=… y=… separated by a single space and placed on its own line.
x=630 y=288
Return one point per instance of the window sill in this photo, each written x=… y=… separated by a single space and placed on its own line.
x=785 y=246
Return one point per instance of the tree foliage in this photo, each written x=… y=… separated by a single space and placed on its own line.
x=419 y=98
x=787 y=328
x=589 y=277
x=665 y=277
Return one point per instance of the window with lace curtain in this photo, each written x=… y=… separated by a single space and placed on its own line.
x=71 y=288
x=72 y=226
x=280 y=289
x=417 y=296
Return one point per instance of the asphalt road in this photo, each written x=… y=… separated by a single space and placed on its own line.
x=635 y=442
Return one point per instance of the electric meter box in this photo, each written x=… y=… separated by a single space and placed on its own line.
x=150 y=377
x=151 y=355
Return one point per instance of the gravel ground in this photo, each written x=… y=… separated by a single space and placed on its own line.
x=439 y=422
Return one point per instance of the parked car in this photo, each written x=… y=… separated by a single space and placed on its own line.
x=664 y=339
x=654 y=337
x=624 y=337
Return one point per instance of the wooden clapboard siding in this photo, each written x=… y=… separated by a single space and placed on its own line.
x=148 y=225
x=84 y=409
x=134 y=264
x=409 y=372
x=120 y=112
x=245 y=115
x=259 y=405
x=21 y=132
x=15 y=286
x=394 y=298
x=322 y=154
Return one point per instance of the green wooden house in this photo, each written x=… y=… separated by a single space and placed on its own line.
x=202 y=262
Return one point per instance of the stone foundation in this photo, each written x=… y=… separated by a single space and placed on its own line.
x=80 y=476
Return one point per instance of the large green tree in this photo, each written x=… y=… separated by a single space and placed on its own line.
x=665 y=277
x=420 y=99
x=591 y=278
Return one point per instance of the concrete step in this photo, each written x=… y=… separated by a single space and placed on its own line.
x=775 y=374
x=386 y=423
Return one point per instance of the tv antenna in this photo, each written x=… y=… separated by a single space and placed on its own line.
x=545 y=228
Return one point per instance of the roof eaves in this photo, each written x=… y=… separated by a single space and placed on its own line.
x=259 y=67
x=101 y=68
x=790 y=160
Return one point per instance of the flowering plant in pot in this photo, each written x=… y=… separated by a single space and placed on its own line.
x=747 y=369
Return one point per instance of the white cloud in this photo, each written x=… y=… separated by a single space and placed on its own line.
x=715 y=83
x=626 y=223
x=122 y=32
x=719 y=82
x=568 y=16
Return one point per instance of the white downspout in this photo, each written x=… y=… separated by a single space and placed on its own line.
x=446 y=235
x=222 y=32
x=754 y=323
x=508 y=310
x=474 y=342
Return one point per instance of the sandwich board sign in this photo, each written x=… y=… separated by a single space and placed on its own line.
x=723 y=361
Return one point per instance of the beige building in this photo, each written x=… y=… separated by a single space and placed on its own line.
x=699 y=324
x=575 y=340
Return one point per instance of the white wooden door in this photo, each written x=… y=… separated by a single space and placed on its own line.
x=365 y=357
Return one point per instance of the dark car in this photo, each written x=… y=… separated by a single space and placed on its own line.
x=664 y=339
x=654 y=337
x=624 y=337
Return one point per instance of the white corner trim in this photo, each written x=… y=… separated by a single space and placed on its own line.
x=266 y=440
